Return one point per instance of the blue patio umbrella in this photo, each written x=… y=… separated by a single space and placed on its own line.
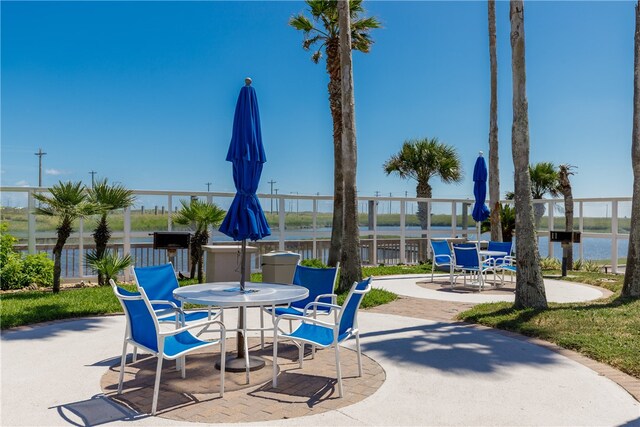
x=245 y=218
x=480 y=210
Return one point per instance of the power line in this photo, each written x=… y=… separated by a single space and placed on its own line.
x=93 y=182
x=40 y=153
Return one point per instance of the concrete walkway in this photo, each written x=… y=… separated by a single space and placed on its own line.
x=437 y=373
x=556 y=290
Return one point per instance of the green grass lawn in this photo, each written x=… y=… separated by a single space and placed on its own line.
x=606 y=330
x=28 y=307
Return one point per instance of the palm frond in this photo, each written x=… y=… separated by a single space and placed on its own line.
x=301 y=23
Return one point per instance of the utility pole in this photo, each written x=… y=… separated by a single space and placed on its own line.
x=40 y=153
x=93 y=181
x=272 y=182
x=208 y=187
x=377 y=194
x=389 y=204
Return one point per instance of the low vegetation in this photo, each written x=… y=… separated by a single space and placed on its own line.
x=607 y=330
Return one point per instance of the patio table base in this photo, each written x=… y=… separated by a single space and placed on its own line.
x=238 y=364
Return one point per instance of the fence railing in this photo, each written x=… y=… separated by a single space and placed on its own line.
x=391 y=231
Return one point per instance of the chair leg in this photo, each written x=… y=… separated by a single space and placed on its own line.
x=156 y=387
x=223 y=357
x=183 y=366
x=122 y=365
x=274 y=381
x=338 y=371
x=135 y=354
x=301 y=354
x=261 y=327
x=359 y=353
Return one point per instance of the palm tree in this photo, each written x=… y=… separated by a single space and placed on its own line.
x=322 y=30
x=110 y=264
x=564 y=188
x=67 y=201
x=109 y=198
x=350 y=260
x=529 y=285
x=494 y=162
x=201 y=216
x=631 y=286
x=422 y=159
x=544 y=179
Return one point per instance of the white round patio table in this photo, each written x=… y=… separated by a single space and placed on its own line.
x=228 y=294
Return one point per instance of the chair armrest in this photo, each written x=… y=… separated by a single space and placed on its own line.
x=194 y=325
x=317 y=304
x=302 y=318
x=333 y=297
x=165 y=302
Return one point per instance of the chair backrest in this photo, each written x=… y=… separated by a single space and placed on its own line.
x=501 y=247
x=348 y=318
x=317 y=280
x=158 y=282
x=466 y=256
x=142 y=324
x=441 y=252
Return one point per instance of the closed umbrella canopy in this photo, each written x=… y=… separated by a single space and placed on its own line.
x=480 y=210
x=245 y=218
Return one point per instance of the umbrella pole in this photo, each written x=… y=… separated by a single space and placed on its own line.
x=241 y=312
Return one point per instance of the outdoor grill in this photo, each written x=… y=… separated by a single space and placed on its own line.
x=566 y=239
x=171 y=240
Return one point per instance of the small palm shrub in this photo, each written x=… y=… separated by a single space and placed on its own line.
x=109 y=265
x=550 y=263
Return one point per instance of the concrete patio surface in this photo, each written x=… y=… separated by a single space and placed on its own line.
x=437 y=372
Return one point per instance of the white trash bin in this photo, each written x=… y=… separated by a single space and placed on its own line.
x=279 y=267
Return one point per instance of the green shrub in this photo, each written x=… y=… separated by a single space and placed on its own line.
x=39 y=269
x=16 y=271
x=313 y=262
x=11 y=274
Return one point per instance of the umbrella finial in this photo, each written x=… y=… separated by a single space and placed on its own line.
x=247 y=81
x=480 y=153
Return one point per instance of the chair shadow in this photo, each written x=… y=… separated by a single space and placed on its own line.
x=40 y=331
x=317 y=389
x=99 y=409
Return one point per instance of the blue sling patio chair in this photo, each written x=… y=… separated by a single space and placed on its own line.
x=143 y=331
x=468 y=262
x=320 y=282
x=506 y=247
x=159 y=282
x=442 y=257
x=325 y=334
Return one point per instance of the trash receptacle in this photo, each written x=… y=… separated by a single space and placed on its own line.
x=279 y=267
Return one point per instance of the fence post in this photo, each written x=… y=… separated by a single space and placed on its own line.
x=403 y=232
x=81 y=248
x=374 y=244
x=614 y=236
x=32 y=222
x=581 y=229
x=170 y=209
x=454 y=221
x=126 y=240
x=550 y=207
x=281 y=221
x=315 y=229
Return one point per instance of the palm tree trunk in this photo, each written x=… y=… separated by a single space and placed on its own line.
x=494 y=166
x=101 y=236
x=335 y=104
x=423 y=190
x=530 y=290
x=567 y=194
x=64 y=231
x=631 y=286
x=352 y=265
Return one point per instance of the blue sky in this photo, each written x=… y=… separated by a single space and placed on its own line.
x=144 y=92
